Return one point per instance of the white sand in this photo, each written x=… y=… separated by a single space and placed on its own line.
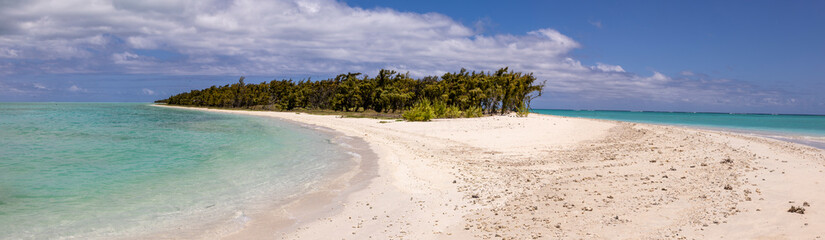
x=545 y=177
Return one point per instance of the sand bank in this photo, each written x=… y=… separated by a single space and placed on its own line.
x=546 y=177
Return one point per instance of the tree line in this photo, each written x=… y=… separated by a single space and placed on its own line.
x=498 y=92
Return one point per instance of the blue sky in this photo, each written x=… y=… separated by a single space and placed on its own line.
x=722 y=56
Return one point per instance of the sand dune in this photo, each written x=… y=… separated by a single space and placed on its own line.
x=546 y=177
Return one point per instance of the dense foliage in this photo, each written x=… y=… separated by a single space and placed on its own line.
x=459 y=94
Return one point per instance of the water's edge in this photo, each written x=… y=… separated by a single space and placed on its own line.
x=126 y=171
x=791 y=137
x=291 y=213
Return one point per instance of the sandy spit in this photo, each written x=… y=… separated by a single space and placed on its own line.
x=547 y=177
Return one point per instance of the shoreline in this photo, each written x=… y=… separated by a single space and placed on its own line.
x=816 y=141
x=292 y=212
x=549 y=176
x=322 y=200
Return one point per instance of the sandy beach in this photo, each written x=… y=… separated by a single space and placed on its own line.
x=547 y=177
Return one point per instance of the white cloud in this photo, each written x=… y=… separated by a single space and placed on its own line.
x=267 y=37
x=8 y=53
x=124 y=57
x=147 y=91
x=300 y=37
x=658 y=78
x=9 y=89
x=75 y=88
x=40 y=86
x=141 y=42
x=597 y=24
x=607 y=68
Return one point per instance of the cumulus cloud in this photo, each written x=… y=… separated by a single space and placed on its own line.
x=300 y=37
x=147 y=91
x=607 y=68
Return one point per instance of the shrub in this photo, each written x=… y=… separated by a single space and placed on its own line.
x=473 y=112
x=452 y=112
x=522 y=111
x=422 y=111
x=439 y=109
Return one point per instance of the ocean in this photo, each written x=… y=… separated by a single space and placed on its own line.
x=113 y=170
x=805 y=129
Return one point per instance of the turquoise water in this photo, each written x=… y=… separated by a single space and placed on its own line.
x=100 y=170
x=806 y=125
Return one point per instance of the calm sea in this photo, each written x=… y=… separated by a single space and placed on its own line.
x=101 y=170
x=806 y=129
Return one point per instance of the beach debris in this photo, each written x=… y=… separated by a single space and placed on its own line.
x=727 y=160
x=728 y=187
x=474 y=196
x=805 y=204
x=795 y=209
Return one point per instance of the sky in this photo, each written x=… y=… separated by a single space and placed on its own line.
x=705 y=56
